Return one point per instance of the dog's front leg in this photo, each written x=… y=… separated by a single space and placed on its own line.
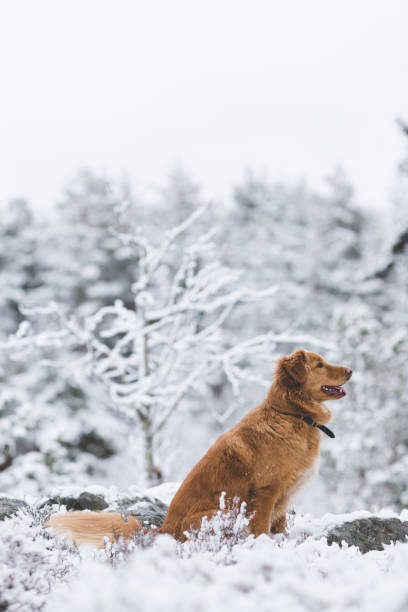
x=278 y=524
x=262 y=507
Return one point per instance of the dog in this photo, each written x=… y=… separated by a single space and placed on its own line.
x=262 y=461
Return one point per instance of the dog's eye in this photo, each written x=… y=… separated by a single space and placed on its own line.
x=319 y=365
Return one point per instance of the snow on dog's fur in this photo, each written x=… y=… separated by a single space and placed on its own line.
x=262 y=461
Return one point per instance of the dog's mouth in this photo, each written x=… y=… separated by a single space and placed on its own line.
x=333 y=391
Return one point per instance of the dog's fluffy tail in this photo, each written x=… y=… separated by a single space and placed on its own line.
x=83 y=527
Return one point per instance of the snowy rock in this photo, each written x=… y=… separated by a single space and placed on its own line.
x=369 y=533
x=148 y=510
x=84 y=501
x=10 y=506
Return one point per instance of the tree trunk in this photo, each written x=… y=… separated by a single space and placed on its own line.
x=153 y=473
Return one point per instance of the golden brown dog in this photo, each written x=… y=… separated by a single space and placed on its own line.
x=263 y=460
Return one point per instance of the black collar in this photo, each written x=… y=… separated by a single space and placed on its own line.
x=310 y=421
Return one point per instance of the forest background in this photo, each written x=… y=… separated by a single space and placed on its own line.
x=135 y=328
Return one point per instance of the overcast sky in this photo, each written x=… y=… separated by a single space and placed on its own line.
x=289 y=87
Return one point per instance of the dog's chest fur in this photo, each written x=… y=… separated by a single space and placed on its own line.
x=283 y=452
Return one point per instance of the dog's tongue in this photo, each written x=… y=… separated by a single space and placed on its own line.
x=334 y=390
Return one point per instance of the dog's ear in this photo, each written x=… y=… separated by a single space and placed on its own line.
x=294 y=366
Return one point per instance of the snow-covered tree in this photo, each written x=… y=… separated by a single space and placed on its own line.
x=21 y=275
x=83 y=259
x=169 y=344
x=370 y=456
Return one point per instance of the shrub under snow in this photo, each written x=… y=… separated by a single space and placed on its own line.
x=299 y=573
x=31 y=563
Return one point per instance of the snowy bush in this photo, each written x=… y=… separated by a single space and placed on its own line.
x=219 y=534
x=300 y=574
x=31 y=563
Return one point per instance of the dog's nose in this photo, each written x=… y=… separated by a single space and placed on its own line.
x=349 y=372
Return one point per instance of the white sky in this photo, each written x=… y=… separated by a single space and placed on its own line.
x=289 y=87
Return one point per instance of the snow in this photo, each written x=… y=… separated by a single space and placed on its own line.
x=299 y=573
x=30 y=564
x=165 y=491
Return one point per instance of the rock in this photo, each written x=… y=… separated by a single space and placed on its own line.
x=369 y=533
x=9 y=506
x=85 y=501
x=148 y=510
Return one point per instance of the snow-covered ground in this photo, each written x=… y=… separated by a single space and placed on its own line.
x=297 y=572
x=265 y=574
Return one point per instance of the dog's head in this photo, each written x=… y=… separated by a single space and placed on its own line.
x=311 y=375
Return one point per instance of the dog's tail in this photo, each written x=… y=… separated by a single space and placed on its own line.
x=93 y=528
